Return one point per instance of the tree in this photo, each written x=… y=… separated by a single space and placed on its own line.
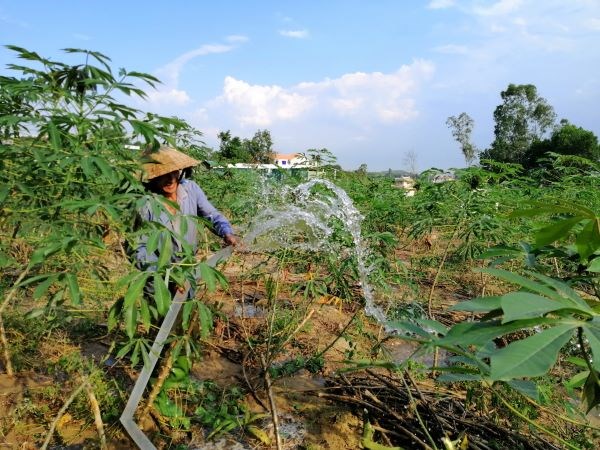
x=410 y=162
x=462 y=127
x=320 y=156
x=362 y=169
x=260 y=147
x=568 y=139
x=522 y=119
x=231 y=147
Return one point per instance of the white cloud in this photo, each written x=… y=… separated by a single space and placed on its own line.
x=297 y=34
x=168 y=96
x=593 y=23
x=261 y=105
x=360 y=97
x=236 y=38
x=170 y=72
x=500 y=8
x=169 y=92
x=452 y=49
x=440 y=4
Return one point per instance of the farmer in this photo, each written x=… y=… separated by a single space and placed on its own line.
x=163 y=172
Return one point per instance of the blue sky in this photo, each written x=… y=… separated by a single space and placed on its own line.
x=369 y=80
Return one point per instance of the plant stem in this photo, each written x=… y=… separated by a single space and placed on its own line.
x=61 y=412
x=272 y=403
x=532 y=422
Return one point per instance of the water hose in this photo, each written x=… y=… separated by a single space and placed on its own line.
x=127 y=418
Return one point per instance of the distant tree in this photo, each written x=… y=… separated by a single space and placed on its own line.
x=568 y=139
x=320 y=156
x=231 y=147
x=522 y=119
x=260 y=147
x=362 y=169
x=462 y=127
x=410 y=162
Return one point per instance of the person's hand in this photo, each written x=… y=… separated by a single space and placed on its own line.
x=231 y=239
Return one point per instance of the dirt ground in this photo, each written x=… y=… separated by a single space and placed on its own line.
x=307 y=421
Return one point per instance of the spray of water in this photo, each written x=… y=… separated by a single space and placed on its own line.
x=301 y=218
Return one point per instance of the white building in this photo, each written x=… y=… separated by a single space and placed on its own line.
x=293 y=161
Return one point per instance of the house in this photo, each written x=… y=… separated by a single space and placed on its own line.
x=293 y=161
x=407 y=184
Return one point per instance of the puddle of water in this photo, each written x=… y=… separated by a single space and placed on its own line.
x=249 y=311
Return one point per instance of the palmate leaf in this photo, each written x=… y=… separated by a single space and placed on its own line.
x=480 y=304
x=564 y=290
x=588 y=239
x=207 y=275
x=523 y=305
x=162 y=296
x=594 y=265
x=526 y=387
x=135 y=289
x=524 y=282
x=479 y=334
x=73 y=288
x=556 y=231
x=591 y=391
x=532 y=356
x=591 y=330
x=540 y=208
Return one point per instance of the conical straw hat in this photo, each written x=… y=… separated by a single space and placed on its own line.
x=165 y=160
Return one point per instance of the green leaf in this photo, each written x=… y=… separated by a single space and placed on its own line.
x=591 y=391
x=37 y=312
x=523 y=282
x=523 y=305
x=125 y=349
x=588 y=239
x=44 y=285
x=591 y=329
x=144 y=312
x=162 y=296
x=481 y=304
x=186 y=313
x=458 y=377
x=74 y=289
x=207 y=275
x=532 y=356
x=152 y=242
x=545 y=208
x=495 y=252
x=206 y=320
x=564 y=290
x=410 y=327
x=114 y=313
x=54 y=136
x=594 y=265
x=135 y=289
x=3 y=193
x=555 y=231
x=166 y=250
x=432 y=325
x=577 y=380
x=130 y=320
x=480 y=333
x=526 y=387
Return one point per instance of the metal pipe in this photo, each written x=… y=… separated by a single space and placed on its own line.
x=127 y=418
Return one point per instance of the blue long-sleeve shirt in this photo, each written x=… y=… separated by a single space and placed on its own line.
x=192 y=202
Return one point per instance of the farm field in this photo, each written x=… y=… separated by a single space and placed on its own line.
x=351 y=315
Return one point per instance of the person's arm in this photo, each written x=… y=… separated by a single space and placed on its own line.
x=221 y=225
